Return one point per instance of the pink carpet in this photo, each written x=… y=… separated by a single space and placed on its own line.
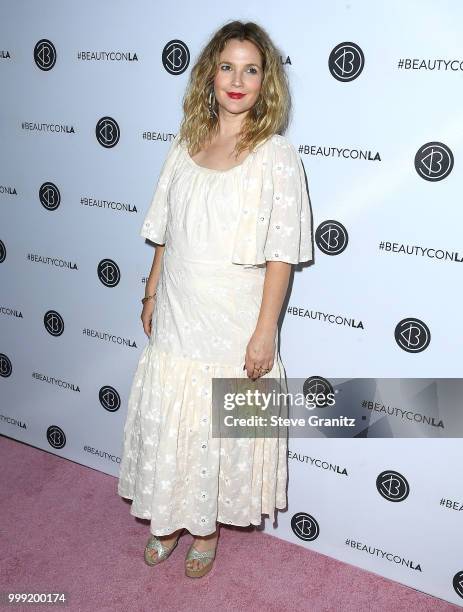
x=64 y=528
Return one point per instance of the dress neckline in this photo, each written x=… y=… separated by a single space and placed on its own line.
x=217 y=171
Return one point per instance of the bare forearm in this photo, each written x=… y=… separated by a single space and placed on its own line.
x=275 y=287
x=153 y=277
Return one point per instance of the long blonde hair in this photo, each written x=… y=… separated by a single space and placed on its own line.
x=268 y=116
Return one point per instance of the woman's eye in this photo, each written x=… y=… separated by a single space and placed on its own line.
x=226 y=66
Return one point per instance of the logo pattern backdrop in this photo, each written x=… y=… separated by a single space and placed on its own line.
x=375 y=123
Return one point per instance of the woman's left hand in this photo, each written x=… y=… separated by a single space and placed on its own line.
x=260 y=353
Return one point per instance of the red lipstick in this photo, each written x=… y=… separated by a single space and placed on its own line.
x=235 y=95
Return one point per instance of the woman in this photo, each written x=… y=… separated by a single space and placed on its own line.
x=230 y=215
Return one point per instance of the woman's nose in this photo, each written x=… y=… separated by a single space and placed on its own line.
x=237 y=80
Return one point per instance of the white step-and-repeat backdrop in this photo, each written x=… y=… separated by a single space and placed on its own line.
x=91 y=96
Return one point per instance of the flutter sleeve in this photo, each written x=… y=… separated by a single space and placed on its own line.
x=155 y=222
x=289 y=235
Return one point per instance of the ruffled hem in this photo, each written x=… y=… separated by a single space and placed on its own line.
x=175 y=472
x=192 y=528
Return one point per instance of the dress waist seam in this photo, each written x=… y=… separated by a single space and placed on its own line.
x=222 y=264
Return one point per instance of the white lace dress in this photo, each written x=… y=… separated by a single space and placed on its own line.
x=205 y=312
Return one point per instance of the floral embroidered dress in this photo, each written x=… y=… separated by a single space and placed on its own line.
x=219 y=227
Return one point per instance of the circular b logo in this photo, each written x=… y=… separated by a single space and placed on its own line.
x=392 y=486
x=434 y=161
x=56 y=437
x=109 y=272
x=5 y=366
x=109 y=398
x=49 y=196
x=305 y=526
x=53 y=322
x=346 y=61
x=107 y=132
x=458 y=583
x=412 y=335
x=331 y=237
x=175 y=57
x=315 y=385
x=45 y=54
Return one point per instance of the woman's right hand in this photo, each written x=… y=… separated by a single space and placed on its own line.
x=147 y=315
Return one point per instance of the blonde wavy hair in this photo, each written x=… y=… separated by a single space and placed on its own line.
x=268 y=116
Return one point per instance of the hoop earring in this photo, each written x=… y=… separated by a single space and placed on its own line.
x=211 y=104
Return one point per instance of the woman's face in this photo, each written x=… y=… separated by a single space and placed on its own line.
x=239 y=72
